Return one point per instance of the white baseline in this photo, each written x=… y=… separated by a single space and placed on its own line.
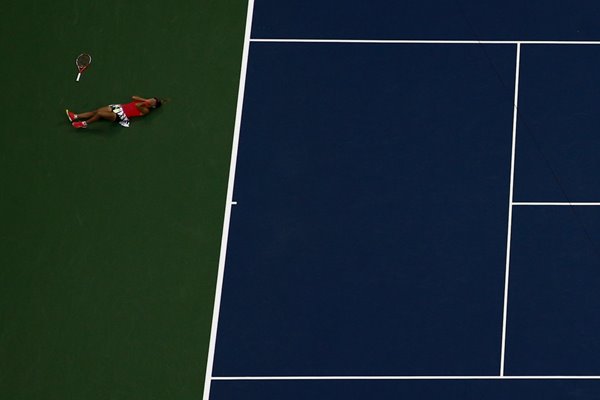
x=540 y=203
x=392 y=41
x=404 y=378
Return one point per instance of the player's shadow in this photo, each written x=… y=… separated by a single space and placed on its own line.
x=99 y=128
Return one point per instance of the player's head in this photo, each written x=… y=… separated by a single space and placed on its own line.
x=157 y=102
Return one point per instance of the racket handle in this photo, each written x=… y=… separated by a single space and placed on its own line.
x=78 y=76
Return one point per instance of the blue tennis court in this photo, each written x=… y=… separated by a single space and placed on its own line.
x=413 y=207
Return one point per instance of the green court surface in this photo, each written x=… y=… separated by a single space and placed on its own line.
x=109 y=237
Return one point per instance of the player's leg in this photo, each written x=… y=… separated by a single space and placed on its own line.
x=90 y=114
x=85 y=115
x=93 y=116
x=74 y=116
x=102 y=113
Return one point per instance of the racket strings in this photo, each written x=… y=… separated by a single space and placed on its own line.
x=83 y=60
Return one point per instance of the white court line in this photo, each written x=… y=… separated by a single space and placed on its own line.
x=229 y=202
x=510 y=209
x=533 y=203
x=391 y=41
x=404 y=378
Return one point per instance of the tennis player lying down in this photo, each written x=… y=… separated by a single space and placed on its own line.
x=119 y=113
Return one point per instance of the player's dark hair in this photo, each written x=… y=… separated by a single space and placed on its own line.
x=158 y=102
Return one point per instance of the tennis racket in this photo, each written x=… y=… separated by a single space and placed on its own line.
x=82 y=61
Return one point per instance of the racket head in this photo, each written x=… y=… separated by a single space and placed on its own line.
x=83 y=61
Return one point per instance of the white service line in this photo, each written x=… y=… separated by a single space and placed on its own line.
x=510 y=209
x=229 y=202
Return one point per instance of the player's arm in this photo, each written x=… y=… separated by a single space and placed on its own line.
x=144 y=107
x=142 y=104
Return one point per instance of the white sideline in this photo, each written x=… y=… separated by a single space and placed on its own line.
x=229 y=203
